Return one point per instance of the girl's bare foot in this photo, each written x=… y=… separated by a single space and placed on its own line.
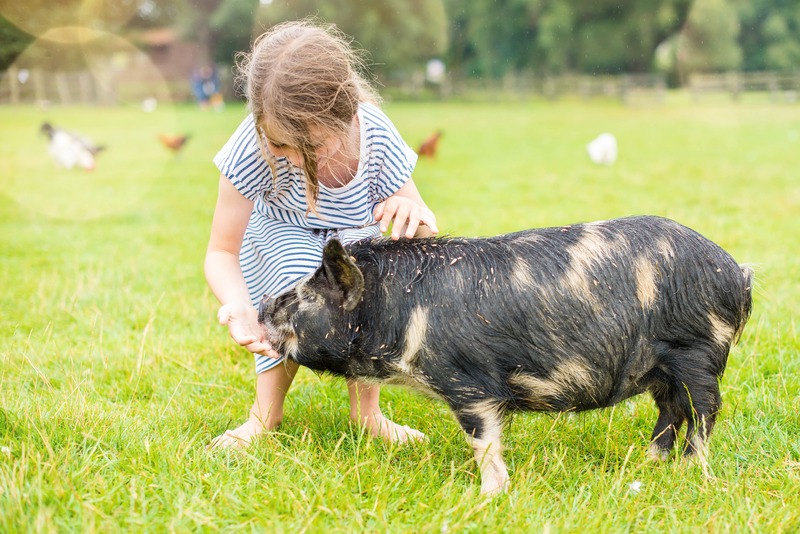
x=365 y=410
x=267 y=410
x=243 y=435
x=377 y=425
x=388 y=430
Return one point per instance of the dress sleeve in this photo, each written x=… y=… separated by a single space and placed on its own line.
x=396 y=158
x=242 y=162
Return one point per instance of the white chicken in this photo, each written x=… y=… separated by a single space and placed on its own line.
x=603 y=149
x=69 y=149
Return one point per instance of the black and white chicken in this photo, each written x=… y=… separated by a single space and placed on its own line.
x=69 y=149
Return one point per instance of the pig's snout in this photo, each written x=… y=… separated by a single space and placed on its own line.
x=272 y=310
x=274 y=318
x=265 y=310
x=273 y=315
x=267 y=303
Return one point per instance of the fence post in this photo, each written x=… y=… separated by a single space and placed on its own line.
x=774 y=89
x=85 y=86
x=624 y=88
x=549 y=89
x=62 y=88
x=732 y=85
x=38 y=86
x=13 y=78
x=693 y=90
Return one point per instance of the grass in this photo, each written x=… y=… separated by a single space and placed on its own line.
x=114 y=376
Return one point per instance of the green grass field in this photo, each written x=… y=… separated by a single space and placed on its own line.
x=114 y=375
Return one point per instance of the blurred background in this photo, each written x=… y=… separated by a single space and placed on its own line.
x=114 y=374
x=151 y=51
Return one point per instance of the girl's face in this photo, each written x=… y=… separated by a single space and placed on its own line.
x=327 y=147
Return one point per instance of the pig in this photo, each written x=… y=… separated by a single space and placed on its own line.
x=560 y=319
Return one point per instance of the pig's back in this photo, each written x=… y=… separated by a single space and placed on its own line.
x=586 y=310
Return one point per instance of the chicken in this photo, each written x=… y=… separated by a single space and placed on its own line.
x=603 y=149
x=173 y=142
x=429 y=146
x=70 y=149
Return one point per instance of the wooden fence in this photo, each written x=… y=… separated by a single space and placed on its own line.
x=779 y=86
x=98 y=87
x=629 y=88
x=38 y=86
x=132 y=85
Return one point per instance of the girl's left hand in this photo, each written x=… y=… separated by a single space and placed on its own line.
x=405 y=216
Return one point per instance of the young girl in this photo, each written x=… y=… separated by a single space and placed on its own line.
x=315 y=159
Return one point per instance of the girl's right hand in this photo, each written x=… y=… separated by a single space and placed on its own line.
x=405 y=215
x=242 y=321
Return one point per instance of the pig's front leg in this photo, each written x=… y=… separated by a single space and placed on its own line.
x=483 y=424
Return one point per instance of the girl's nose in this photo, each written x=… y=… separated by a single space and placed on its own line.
x=294 y=158
x=292 y=155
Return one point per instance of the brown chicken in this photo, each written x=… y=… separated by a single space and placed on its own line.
x=429 y=146
x=173 y=142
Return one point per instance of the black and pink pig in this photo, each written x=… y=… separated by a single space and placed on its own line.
x=555 y=319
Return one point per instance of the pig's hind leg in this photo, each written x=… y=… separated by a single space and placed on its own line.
x=701 y=403
x=688 y=390
x=670 y=420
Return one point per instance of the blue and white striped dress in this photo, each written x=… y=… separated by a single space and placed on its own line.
x=283 y=241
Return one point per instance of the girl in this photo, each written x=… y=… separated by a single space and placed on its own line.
x=315 y=159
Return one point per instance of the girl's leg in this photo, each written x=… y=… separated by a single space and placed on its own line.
x=267 y=411
x=365 y=410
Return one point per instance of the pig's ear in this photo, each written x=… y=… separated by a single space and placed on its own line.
x=342 y=272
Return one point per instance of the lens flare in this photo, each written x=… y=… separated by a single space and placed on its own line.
x=72 y=73
x=38 y=17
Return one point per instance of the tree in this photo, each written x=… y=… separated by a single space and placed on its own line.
x=197 y=27
x=21 y=23
x=13 y=42
x=622 y=37
x=556 y=27
x=157 y=14
x=551 y=36
x=493 y=38
x=231 y=27
x=399 y=35
x=220 y=28
x=708 y=42
x=770 y=34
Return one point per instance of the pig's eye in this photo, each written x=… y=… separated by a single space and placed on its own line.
x=306 y=296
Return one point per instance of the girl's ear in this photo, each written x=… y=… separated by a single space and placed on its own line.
x=343 y=274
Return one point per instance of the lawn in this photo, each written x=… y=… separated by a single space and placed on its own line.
x=114 y=375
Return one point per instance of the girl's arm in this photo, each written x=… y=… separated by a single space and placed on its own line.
x=407 y=213
x=224 y=274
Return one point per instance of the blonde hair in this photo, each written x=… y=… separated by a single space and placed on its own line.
x=299 y=74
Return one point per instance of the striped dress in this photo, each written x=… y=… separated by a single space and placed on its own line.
x=283 y=241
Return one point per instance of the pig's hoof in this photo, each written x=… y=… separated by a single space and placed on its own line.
x=700 y=460
x=657 y=454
